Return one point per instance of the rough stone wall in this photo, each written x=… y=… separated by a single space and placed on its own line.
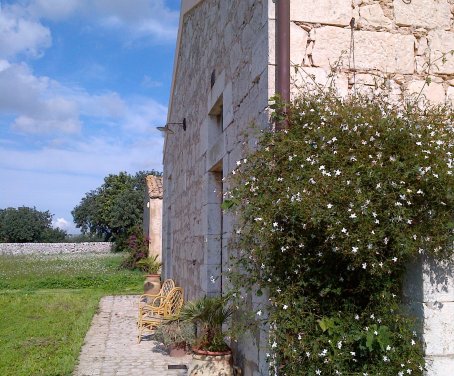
x=54 y=248
x=221 y=88
x=397 y=43
x=226 y=66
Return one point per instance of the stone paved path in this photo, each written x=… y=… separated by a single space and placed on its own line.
x=111 y=347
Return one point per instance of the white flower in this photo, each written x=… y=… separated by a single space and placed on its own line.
x=329 y=206
x=394 y=259
x=285 y=306
x=356 y=317
x=354 y=249
x=344 y=230
x=318 y=372
x=364 y=265
x=212 y=279
x=352 y=353
x=274 y=344
x=413 y=342
x=299 y=337
x=339 y=344
x=385 y=358
x=275 y=224
x=259 y=312
x=353 y=215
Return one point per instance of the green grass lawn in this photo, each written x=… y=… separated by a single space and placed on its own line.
x=46 y=306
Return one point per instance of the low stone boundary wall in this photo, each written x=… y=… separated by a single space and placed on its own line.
x=54 y=248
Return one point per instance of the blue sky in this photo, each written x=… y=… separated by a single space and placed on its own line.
x=83 y=84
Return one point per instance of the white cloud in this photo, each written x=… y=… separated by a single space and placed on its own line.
x=140 y=18
x=43 y=105
x=19 y=34
x=61 y=223
x=55 y=10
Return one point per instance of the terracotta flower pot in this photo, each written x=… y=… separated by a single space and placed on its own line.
x=152 y=284
x=211 y=363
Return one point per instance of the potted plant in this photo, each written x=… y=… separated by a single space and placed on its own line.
x=152 y=266
x=211 y=355
x=177 y=336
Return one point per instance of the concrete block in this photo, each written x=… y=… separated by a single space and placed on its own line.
x=441 y=42
x=260 y=57
x=216 y=91
x=331 y=12
x=439 y=365
x=386 y=52
x=298 y=42
x=372 y=15
x=423 y=13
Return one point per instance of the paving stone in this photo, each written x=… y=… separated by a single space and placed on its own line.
x=111 y=347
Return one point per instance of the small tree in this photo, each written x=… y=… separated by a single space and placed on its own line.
x=28 y=225
x=114 y=208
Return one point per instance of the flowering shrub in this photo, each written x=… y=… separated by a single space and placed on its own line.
x=136 y=246
x=330 y=212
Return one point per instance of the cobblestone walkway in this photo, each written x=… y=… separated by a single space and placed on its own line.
x=111 y=348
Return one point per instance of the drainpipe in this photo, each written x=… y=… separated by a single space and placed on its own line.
x=283 y=54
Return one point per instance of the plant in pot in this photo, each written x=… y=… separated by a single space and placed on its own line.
x=178 y=336
x=152 y=266
x=211 y=355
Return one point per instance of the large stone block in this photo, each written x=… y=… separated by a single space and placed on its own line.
x=450 y=95
x=298 y=42
x=328 y=12
x=441 y=43
x=311 y=79
x=383 y=51
x=433 y=92
x=423 y=13
x=439 y=365
x=373 y=15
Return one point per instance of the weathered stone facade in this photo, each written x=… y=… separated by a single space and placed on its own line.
x=223 y=76
x=54 y=248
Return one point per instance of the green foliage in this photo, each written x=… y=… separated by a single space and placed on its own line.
x=135 y=245
x=46 y=305
x=115 y=207
x=330 y=212
x=176 y=333
x=208 y=314
x=150 y=265
x=28 y=225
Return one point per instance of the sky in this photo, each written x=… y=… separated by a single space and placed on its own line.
x=83 y=85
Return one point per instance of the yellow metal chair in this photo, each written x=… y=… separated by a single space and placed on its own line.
x=152 y=315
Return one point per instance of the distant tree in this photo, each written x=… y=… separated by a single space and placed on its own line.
x=114 y=208
x=28 y=225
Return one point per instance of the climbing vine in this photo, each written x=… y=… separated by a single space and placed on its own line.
x=329 y=213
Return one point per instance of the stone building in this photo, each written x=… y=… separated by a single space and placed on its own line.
x=152 y=215
x=224 y=73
